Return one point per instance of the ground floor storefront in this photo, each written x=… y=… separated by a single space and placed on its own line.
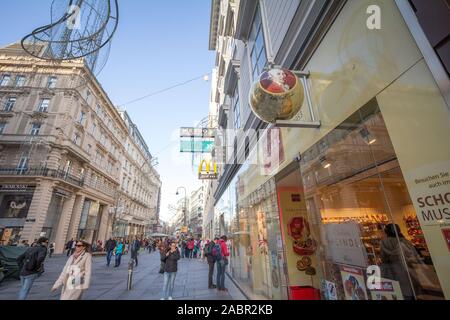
x=32 y=208
x=358 y=208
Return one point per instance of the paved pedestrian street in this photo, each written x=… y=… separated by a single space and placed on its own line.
x=109 y=283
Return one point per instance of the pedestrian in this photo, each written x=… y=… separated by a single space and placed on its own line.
x=68 y=246
x=183 y=248
x=118 y=252
x=73 y=246
x=51 y=249
x=221 y=254
x=170 y=270
x=76 y=275
x=211 y=261
x=109 y=247
x=31 y=265
x=135 y=246
x=190 y=246
x=35 y=242
x=162 y=252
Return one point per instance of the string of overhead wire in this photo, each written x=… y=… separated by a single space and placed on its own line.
x=204 y=76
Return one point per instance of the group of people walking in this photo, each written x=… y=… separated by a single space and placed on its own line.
x=76 y=275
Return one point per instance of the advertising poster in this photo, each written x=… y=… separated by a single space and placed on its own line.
x=388 y=290
x=345 y=245
x=354 y=284
x=298 y=238
x=331 y=292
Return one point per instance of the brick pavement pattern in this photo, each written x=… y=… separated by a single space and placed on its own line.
x=109 y=283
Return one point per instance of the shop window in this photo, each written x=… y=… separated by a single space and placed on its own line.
x=14 y=205
x=258 y=56
x=360 y=214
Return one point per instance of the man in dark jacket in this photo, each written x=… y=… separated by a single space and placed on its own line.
x=69 y=247
x=109 y=247
x=170 y=270
x=135 y=246
x=211 y=262
x=31 y=265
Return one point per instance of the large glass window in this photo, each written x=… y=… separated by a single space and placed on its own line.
x=236 y=110
x=51 y=83
x=360 y=214
x=14 y=206
x=35 y=128
x=258 y=52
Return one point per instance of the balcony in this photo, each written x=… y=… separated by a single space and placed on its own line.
x=43 y=172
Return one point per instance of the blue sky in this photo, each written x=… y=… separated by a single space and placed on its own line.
x=157 y=44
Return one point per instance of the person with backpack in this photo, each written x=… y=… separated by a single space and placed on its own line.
x=221 y=254
x=51 y=249
x=135 y=246
x=31 y=266
x=211 y=261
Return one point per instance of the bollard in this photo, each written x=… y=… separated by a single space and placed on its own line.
x=130 y=274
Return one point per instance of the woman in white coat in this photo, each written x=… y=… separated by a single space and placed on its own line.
x=76 y=275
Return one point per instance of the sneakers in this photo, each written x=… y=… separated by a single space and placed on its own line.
x=162 y=299
x=170 y=298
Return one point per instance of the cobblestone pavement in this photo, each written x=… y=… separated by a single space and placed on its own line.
x=108 y=283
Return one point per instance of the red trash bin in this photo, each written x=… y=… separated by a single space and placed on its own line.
x=304 y=293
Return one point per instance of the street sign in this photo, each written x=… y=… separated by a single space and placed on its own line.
x=190 y=132
x=197 y=146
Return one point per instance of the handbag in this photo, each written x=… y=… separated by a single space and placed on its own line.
x=425 y=276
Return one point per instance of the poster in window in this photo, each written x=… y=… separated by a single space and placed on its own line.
x=354 y=284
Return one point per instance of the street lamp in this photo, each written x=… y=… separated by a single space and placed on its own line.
x=185 y=205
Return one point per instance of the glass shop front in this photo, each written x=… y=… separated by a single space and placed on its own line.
x=339 y=224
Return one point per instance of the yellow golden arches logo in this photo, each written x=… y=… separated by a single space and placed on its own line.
x=208 y=166
x=204 y=170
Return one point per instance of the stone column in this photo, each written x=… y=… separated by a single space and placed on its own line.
x=104 y=229
x=54 y=158
x=75 y=217
x=63 y=226
x=38 y=210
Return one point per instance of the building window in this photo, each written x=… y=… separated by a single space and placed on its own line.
x=2 y=127
x=82 y=117
x=20 y=81
x=43 y=106
x=35 y=127
x=236 y=110
x=5 y=80
x=51 y=82
x=258 y=52
x=23 y=163
x=94 y=127
x=76 y=138
x=10 y=104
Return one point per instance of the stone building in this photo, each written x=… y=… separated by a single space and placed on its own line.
x=62 y=147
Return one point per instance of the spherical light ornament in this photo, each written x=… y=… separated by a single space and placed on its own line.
x=277 y=95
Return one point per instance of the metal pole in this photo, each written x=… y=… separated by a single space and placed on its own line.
x=130 y=274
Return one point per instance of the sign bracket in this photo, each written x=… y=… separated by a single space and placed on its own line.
x=315 y=122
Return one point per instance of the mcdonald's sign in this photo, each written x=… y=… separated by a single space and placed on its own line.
x=205 y=171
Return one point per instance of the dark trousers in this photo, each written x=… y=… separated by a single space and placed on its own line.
x=210 y=274
x=108 y=257
x=118 y=258
x=134 y=255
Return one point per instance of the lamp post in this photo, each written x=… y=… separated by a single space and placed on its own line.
x=185 y=205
